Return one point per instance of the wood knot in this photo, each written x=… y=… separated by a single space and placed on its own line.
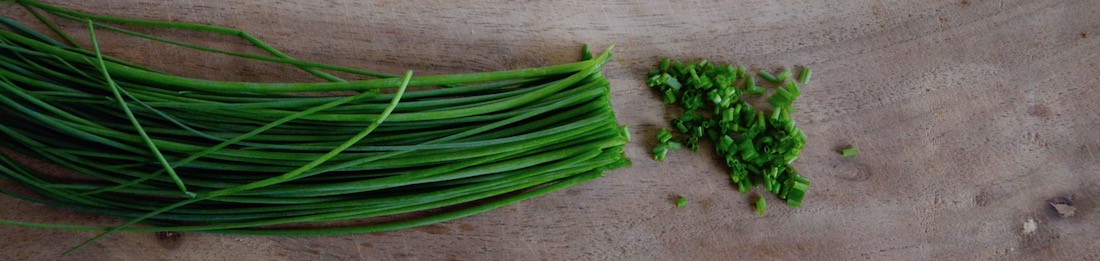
x=1040 y=111
x=1061 y=207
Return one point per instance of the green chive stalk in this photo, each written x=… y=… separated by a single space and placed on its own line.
x=173 y=153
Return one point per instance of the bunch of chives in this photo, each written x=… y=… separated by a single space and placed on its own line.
x=185 y=154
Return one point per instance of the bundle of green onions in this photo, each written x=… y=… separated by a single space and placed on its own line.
x=183 y=154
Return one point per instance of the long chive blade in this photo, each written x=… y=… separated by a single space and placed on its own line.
x=129 y=114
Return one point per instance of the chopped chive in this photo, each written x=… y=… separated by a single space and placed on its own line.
x=625 y=132
x=692 y=143
x=757 y=148
x=792 y=88
x=767 y=76
x=659 y=151
x=782 y=76
x=750 y=86
x=682 y=202
x=798 y=191
x=664 y=135
x=743 y=186
x=672 y=82
x=760 y=206
x=804 y=77
x=670 y=96
x=851 y=151
x=480 y=140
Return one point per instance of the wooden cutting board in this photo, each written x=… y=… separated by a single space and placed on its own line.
x=972 y=118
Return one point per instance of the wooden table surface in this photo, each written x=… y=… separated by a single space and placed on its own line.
x=972 y=117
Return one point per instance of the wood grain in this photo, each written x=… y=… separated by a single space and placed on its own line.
x=971 y=116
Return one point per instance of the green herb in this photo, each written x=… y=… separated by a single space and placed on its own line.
x=682 y=202
x=760 y=206
x=851 y=151
x=751 y=88
x=184 y=154
x=804 y=76
x=767 y=76
x=782 y=76
x=757 y=146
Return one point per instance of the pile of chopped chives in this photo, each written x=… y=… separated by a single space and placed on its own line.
x=757 y=147
x=183 y=154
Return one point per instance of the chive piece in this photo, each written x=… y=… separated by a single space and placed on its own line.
x=792 y=88
x=672 y=82
x=750 y=86
x=760 y=206
x=682 y=202
x=782 y=76
x=664 y=136
x=767 y=76
x=849 y=152
x=692 y=143
x=585 y=54
x=670 y=96
x=659 y=151
x=724 y=144
x=804 y=77
x=672 y=145
x=798 y=191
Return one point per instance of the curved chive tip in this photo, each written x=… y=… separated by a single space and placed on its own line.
x=624 y=131
x=760 y=206
x=681 y=202
x=751 y=87
x=851 y=151
x=585 y=54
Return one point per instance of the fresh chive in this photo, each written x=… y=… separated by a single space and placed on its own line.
x=664 y=136
x=237 y=157
x=681 y=202
x=758 y=149
x=804 y=76
x=782 y=76
x=849 y=152
x=767 y=76
x=670 y=96
x=760 y=206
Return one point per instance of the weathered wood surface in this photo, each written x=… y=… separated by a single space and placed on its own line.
x=971 y=117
